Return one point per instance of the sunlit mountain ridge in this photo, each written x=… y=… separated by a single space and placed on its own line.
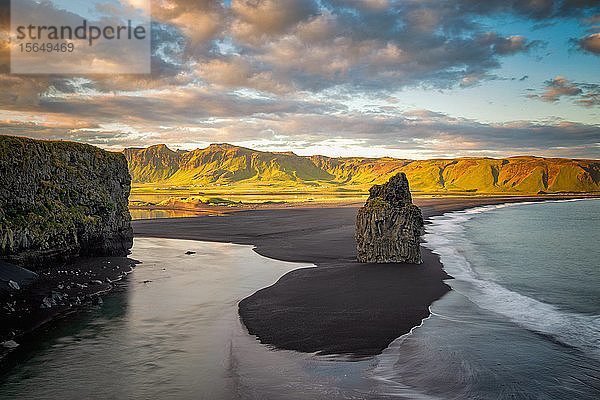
x=225 y=164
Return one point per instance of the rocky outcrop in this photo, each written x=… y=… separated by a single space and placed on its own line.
x=388 y=227
x=61 y=199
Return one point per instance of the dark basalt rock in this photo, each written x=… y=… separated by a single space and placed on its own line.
x=61 y=199
x=388 y=226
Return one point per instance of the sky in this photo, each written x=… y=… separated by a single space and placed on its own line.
x=409 y=79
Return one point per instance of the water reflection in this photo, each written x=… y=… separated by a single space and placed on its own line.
x=168 y=334
x=173 y=332
x=154 y=214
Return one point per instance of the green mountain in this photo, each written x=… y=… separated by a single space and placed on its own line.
x=219 y=163
x=228 y=164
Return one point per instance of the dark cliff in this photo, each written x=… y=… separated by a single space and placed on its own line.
x=61 y=199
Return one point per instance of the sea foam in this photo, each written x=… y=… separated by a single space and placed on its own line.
x=445 y=236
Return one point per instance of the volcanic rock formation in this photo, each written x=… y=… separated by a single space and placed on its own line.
x=388 y=226
x=61 y=199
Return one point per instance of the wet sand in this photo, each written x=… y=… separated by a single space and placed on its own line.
x=342 y=306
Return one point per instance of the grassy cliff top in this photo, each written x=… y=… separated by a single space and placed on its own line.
x=11 y=144
x=38 y=174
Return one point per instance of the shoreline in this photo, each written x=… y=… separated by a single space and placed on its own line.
x=499 y=293
x=342 y=306
x=56 y=293
x=211 y=210
x=354 y=290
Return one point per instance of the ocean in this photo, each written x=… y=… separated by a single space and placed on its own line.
x=523 y=318
x=522 y=321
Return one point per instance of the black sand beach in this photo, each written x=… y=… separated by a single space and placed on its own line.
x=342 y=306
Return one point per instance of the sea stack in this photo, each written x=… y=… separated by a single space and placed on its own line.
x=389 y=225
x=59 y=200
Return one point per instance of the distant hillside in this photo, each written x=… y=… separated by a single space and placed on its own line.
x=227 y=164
x=219 y=163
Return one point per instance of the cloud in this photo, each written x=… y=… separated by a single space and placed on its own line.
x=285 y=72
x=374 y=48
x=199 y=20
x=591 y=98
x=537 y=10
x=254 y=18
x=422 y=133
x=508 y=45
x=103 y=57
x=555 y=88
x=169 y=62
x=586 y=94
x=593 y=20
x=238 y=71
x=289 y=45
x=590 y=43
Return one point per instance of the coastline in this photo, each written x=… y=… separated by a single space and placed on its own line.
x=511 y=325
x=342 y=306
x=446 y=237
x=197 y=210
x=56 y=293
